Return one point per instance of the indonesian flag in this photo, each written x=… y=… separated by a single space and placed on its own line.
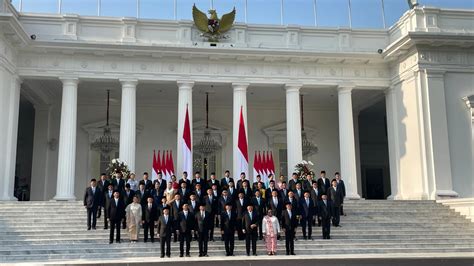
x=256 y=167
x=170 y=165
x=242 y=154
x=186 y=146
x=272 y=164
x=263 y=167
x=164 y=166
x=155 y=166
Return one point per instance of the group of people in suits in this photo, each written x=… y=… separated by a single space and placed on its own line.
x=191 y=209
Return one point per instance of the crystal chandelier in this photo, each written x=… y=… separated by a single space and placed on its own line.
x=308 y=147
x=207 y=145
x=106 y=143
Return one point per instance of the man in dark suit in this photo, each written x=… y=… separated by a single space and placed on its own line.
x=162 y=183
x=184 y=179
x=198 y=180
x=149 y=218
x=103 y=185
x=293 y=181
x=213 y=181
x=142 y=194
x=156 y=192
x=324 y=210
x=211 y=204
x=241 y=180
x=259 y=205
x=293 y=201
x=225 y=180
x=176 y=207
x=289 y=224
x=299 y=193
x=127 y=197
x=323 y=182
x=255 y=184
x=161 y=206
x=193 y=203
x=223 y=200
x=108 y=196
x=228 y=220
x=342 y=188
x=240 y=208
x=119 y=183
x=92 y=201
x=336 y=197
x=165 y=228
x=250 y=229
x=270 y=189
x=307 y=184
x=248 y=193
x=283 y=192
x=307 y=212
x=184 y=191
x=116 y=213
x=275 y=204
x=233 y=192
x=203 y=224
x=186 y=226
x=147 y=182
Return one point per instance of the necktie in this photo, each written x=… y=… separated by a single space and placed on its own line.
x=186 y=215
x=93 y=190
x=289 y=214
x=166 y=219
x=258 y=200
x=250 y=214
x=202 y=214
x=228 y=214
x=149 y=206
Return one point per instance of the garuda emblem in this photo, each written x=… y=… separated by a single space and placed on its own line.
x=213 y=28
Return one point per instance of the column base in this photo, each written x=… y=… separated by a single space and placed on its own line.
x=64 y=198
x=444 y=194
x=8 y=199
x=352 y=197
x=394 y=197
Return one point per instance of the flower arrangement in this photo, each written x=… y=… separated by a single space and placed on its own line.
x=303 y=169
x=117 y=166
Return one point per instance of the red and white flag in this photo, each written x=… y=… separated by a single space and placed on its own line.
x=256 y=167
x=155 y=166
x=164 y=166
x=170 y=165
x=242 y=154
x=263 y=167
x=272 y=164
x=186 y=146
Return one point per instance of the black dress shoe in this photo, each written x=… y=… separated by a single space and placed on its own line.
x=162 y=256
x=118 y=241
x=292 y=253
x=93 y=228
x=188 y=255
x=105 y=228
x=169 y=256
x=88 y=228
x=181 y=255
x=111 y=242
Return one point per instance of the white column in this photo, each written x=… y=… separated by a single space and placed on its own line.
x=67 y=141
x=293 y=127
x=185 y=98
x=8 y=184
x=128 y=122
x=346 y=142
x=393 y=147
x=240 y=100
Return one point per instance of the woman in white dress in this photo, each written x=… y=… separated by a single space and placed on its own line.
x=271 y=230
x=134 y=218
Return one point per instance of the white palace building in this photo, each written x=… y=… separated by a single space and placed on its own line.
x=392 y=109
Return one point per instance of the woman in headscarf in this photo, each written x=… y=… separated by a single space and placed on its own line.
x=271 y=230
x=134 y=218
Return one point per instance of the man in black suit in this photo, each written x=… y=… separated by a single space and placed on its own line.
x=250 y=229
x=336 y=197
x=147 y=182
x=323 y=183
x=103 y=185
x=176 y=207
x=184 y=179
x=289 y=224
x=259 y=205
x=211 y=204
x=255 y=184
x=228 y=220
x=142 y=194
x=241 y=180
x=223 y=200
x=119 y=183
x=116 y=213
x=324 y=210
x=270 y=189
x=108 y=196
x=283 y=192
x=156 y=192
x=203 y=224
x=213 y=181
x=316 y=197
x=184 y=191
x=162 y=182
x=299 y=193
x=293 y=181
x=233 y=192
x=127 y=197
x=186 y=226
x=225 y=180
x=275 y=204
x=92 y=201
x=149 y=218
x=165 y=228
x=193 y=203
x=342 y=188
x=240 y=208
x=307 y=212
x=307 y=184
x=198 y=180
x=248 y=193
x=162 y=206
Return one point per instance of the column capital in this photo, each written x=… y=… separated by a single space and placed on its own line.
x=185 y=84
x=129 y=82
x=342 y=89
x=69 y=80
x=434 y=73
x=389 y=91
x=293 y=87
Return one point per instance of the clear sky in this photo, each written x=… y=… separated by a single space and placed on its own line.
x=329 y=13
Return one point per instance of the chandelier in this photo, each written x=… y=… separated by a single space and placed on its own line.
x=207 y=145
x=106 y=142
x=308 y=147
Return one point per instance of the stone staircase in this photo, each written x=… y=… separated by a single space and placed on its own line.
x=56 y=231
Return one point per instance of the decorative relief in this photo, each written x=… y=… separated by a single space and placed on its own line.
x=84 y=64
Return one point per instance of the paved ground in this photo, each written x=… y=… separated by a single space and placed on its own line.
x=343 y=260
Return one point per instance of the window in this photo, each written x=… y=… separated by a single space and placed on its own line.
x=204 y=165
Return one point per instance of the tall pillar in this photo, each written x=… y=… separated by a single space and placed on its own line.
x=346 y=142
x=128 y=122
x=393 y=147
x=293 y=127
x=185 y=99
x=67 y=141
x=240 y=102
x=12 y=109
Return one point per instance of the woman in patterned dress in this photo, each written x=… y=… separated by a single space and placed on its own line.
x=134 y=218
x=271 y=230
